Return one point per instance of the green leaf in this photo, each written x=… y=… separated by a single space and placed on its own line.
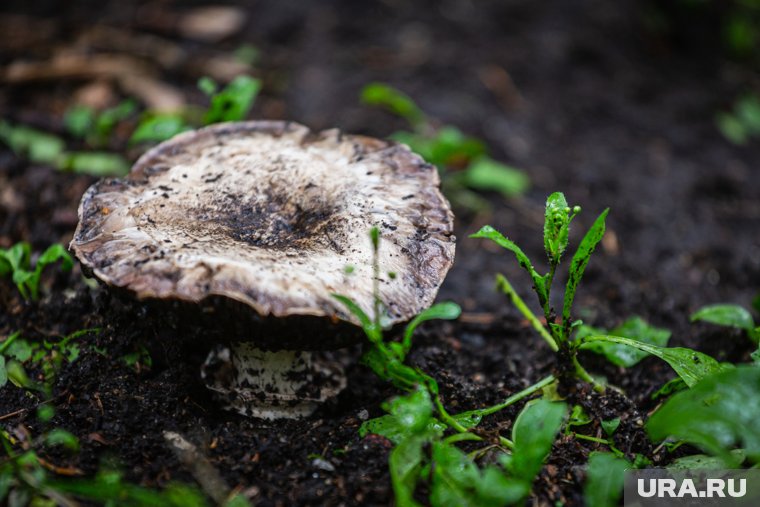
x=62 y=437
x=6 y=344
x=207 y=86
x=533 y=435
x=484 y=173
x=94 y=163
x=107 y=120
x=748 y=110
x=3 y=372
x=578 y=417
x=539 y=286
x=368 y=325
x=237 y=500
x=19 y=350
x=673 y=385
x=705 y=462
x=456 y=480
x=690 y=365
x=404 y=464
x=38 y=146
x=732 y=128
x=446 y=311
x=234 y=102
x=580 y=261
x=604 y=479
x=18 y=257
x=717 y=414
x=610 y=426
x=635 y=328
x=78 y=120
x=556 y=226
x=54 y=253
x=397 y=102
x=450 y=147
x=726 y=315
x=159 y=128
x=419 y=144
x=45 y=413
x=17 y=375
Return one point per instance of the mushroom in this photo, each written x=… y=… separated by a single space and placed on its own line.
x=272 y=218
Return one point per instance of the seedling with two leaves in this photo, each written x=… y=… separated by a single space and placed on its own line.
x=425 y=434
x=462 y=161
x=231 y=103
x=16 y=262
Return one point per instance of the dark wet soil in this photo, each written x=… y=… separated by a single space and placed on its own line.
x=579 y=94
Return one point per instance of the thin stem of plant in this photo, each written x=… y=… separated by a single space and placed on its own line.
x=516 y=300
x=517 y=396
x=598 y=440
x=586 y=376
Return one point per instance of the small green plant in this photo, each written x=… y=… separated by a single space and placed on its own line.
x=26 y=475
x=729 y=315
x=16 y=262
x=560 y=329
x=18 y=354
x=716 y=415
x=462 y=161
x=96 y=127
x=44 y=148
x=425 y=434
x=231 y=103
x=742 y=123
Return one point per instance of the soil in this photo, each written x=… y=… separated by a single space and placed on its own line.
x=581 y=95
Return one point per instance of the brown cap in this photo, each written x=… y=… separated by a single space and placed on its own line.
x=274 y=216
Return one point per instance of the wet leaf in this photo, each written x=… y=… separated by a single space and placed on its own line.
x=719 y=413
x=610 y=426
x=635 y=328
x=159 y=128
x=556 y=226
x=38 y=146
x=533 y=435
x=94 y=163
x=705 y=462
x=485 y=173
x=397 y=102
x=604 y=479
x=727 y=315
x=234 y=101
x=457 y=480
x=539 y=285
x=690 y=365
x=580 y=261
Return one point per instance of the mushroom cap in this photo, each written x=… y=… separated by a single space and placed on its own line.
x=275 y=216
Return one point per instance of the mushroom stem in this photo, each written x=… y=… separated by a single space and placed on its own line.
x=283 y=384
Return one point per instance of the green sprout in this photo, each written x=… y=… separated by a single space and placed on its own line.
x=462 y=161
x=44 y=148
x=95 y=127
x=559 y=332
x=16 y=262
x=742 y=123
x=425 y=434
x=231 y=103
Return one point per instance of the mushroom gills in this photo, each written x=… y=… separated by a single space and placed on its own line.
x=271 y=385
